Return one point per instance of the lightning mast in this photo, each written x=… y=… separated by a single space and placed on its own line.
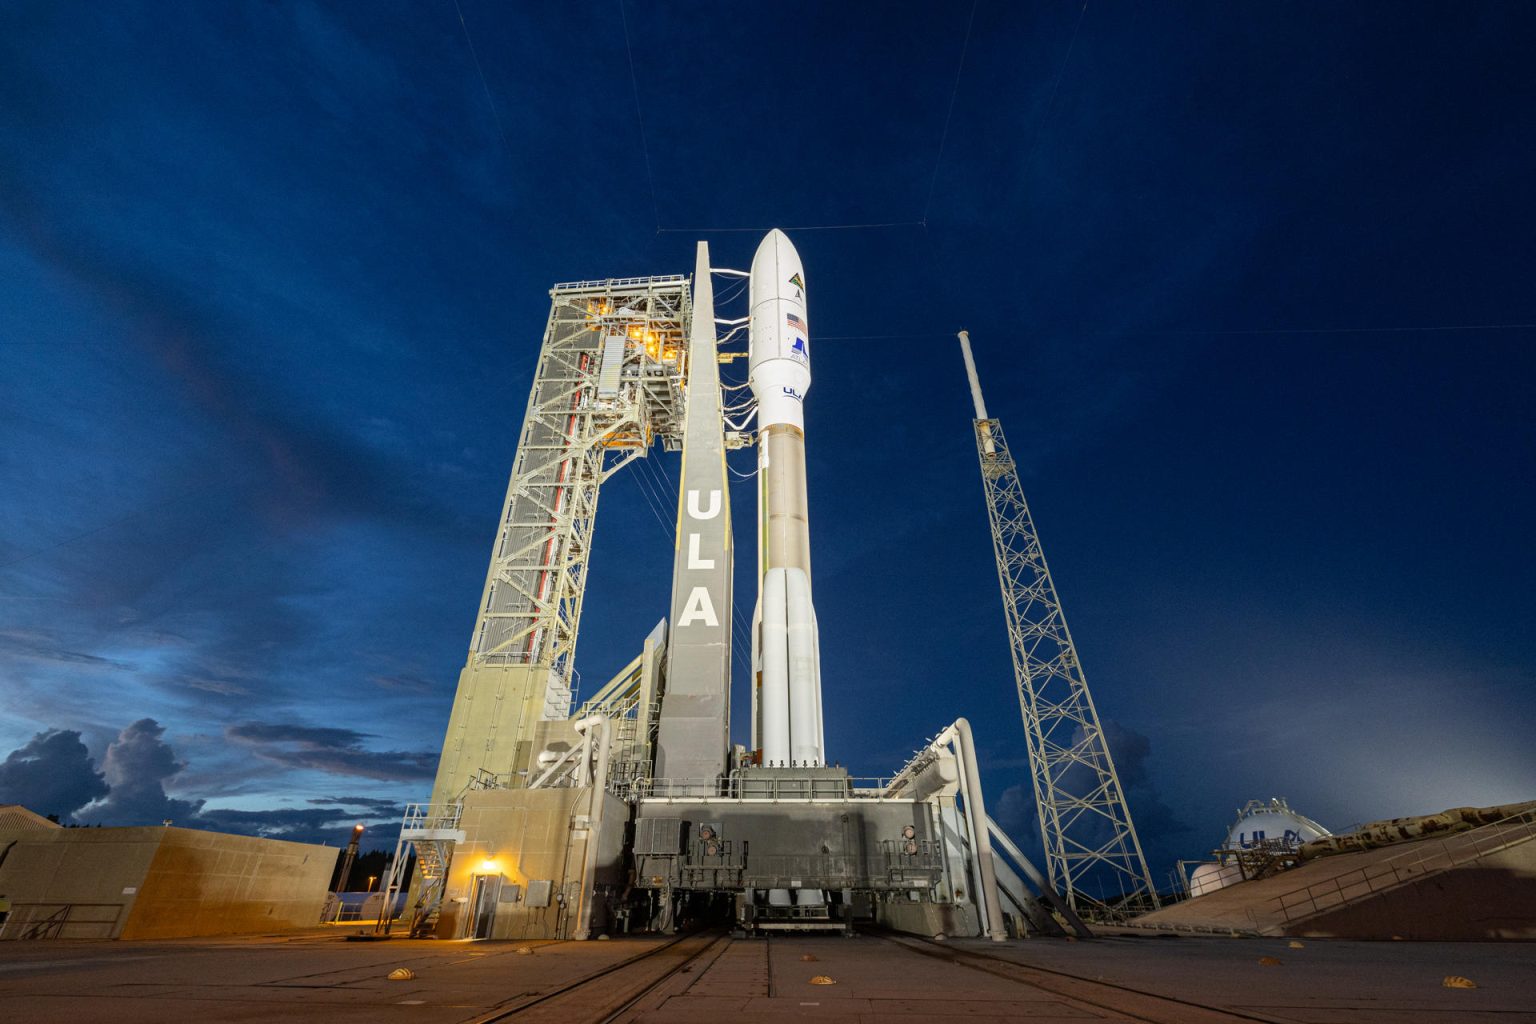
x=1085 y=824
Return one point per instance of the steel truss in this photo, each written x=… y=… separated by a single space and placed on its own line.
x=609 y=383
x=1084 y=821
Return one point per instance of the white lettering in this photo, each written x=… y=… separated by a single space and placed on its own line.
x=693 y=505
x=694 y=561
x=700 y=607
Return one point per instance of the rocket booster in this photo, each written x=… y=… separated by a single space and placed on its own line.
x=787 y=655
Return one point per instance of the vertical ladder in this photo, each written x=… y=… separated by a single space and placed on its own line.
x=1085 y=824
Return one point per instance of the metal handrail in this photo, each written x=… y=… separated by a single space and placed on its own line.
x=618 y=282
x=1409 y=866
x=767 y=788
x=56 y=916
x=445 y=815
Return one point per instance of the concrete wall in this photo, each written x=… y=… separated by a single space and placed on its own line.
x=1493 y=898
x=209 y=883
x=898 y=913
x=74 y=883
x=156 y=882
x=515 y=837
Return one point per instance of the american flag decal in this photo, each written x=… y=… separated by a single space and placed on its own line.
x=795 y=322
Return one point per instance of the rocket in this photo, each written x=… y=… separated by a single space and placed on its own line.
x=786 y=649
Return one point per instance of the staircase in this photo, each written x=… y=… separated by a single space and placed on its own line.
x=432 y=830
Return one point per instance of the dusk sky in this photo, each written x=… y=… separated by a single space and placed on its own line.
x=1250 y=287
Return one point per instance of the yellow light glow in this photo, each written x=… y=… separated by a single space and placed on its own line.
x=490 y=867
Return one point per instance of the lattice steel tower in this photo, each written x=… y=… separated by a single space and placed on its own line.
x=1085 y=824
x=609 y=383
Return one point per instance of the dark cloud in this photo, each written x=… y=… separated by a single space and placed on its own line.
x=137 y=766
x=385 y=807
x=329 y=826
x=1158 y=827
x=52 y=774
x=1156 y=822
x=405 y=683
x=305 y=735
x=39 y=646
x=339 y=751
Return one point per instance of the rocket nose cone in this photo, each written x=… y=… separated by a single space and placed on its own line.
x=777 y=247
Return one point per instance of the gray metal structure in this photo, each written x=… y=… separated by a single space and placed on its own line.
x=694 y=736
x=1085 y=824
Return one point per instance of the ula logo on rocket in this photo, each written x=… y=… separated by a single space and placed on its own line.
x=792 y=393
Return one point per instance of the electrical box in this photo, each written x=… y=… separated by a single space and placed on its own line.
x=510 y=891
x=660 y=837
x=539 y=892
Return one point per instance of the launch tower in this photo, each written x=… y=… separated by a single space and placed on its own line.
x=557 y=816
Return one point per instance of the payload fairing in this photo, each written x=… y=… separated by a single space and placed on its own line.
x=787 y=725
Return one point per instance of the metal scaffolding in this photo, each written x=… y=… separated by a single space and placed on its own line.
x=609 y=382
x=1085 y=824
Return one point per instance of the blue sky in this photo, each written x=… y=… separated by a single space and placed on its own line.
x=1249 y=288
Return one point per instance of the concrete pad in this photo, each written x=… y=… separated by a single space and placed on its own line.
x=1115 y=980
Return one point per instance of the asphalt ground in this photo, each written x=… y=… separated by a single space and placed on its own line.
x=709 y=977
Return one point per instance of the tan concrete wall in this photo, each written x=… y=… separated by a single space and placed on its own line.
x=15 y=816
x=1493 y=898
x=495 y=713
x=209 y=883
x=957 y=920
x=73 y=883
x=524 y=836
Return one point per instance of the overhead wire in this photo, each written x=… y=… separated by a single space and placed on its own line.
x=741 y=631
x=646 y=479
x=938 y=161
x=793 y=227
x=475 y=56
x=1050 y=102
x=634 y=84
x=1331 y=330
x=83 y=534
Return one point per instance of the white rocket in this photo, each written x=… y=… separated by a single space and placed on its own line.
x=786 y=649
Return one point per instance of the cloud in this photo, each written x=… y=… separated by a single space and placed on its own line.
x=137 y=765
x=52 y=774
x=405 y=683
x=389 y=808
x=55 y=774
x=330 y=826
x=1131 y=750
x=339 y=751
x=40 y=646
x=1157 y=825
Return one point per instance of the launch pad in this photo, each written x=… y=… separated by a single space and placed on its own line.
x=707 y=977
x=633 y=810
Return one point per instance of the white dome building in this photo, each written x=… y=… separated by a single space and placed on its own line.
x=1271 y=824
